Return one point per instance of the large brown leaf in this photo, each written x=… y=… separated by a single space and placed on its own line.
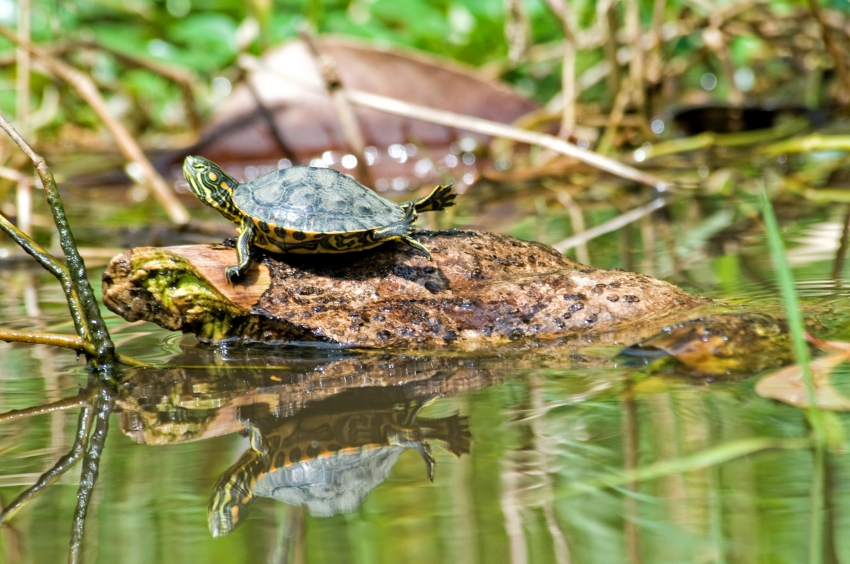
x=305 y=118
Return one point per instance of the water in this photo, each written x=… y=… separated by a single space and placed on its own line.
x=545 y=428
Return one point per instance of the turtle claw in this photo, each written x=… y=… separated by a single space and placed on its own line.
x=232 y=273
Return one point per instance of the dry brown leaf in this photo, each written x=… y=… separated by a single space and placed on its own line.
x=291 y=87
x=786 y=385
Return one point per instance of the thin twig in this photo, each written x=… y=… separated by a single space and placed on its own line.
x=653 y=66
x=97 y=331
x=126 y=144
x=23 y=67
x=843 y=92
x=610 y=48
x=636 y=65
x=53 y=266
x=577 y=223
x=841 y=252
x=612 y=225
x=104 y=403
x=486 y=127
x=72 y=342
x=61 y=405
x=621 y=102
x=65 y=463
x=351 y=132
x=563 y=11
x=268 y=116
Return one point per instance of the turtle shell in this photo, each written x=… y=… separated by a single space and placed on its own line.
x=314 y=200
x=330 y=485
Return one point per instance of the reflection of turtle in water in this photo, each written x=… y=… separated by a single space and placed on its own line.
x=328 y=460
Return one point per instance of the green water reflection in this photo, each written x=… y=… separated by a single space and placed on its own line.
x=539 y=428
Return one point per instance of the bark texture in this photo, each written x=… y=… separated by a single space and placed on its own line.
x=479 y=289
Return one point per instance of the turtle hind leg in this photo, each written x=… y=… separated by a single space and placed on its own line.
x=400 y=231
x=440 y=198
x=243 y=251
x=410 y=241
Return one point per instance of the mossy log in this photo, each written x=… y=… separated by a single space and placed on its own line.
x=479 y=289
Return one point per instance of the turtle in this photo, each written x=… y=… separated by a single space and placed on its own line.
x=307 y=210
x=326 y=461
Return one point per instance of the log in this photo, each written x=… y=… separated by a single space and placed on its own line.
x=480 y=289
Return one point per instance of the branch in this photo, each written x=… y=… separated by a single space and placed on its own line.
x=54 y=267
x=65 y=463
x=61 y=405
x=53 y=339
x=97 y=331
x=104 y=402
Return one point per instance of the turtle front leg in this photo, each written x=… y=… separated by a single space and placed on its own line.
x=243 y=251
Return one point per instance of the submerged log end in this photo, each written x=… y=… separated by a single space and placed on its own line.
x=480 y=288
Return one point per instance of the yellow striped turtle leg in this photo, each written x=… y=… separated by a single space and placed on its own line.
x=400 y=231
x=243 y=251
x=424 y=450
x=439 y=198
x=408 y=240
x=234 y=491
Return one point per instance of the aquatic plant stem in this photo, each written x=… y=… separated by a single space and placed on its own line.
x=794 y=318
x=54 y=267
x=104 y=349
x=834 y=49
x=562 y=10
x=797 y=330
x=53 y=339
x=61 y=405
x=104 y=402
x=65 y=463
x=612 y=225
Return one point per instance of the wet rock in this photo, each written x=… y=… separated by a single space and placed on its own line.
x=480 y=289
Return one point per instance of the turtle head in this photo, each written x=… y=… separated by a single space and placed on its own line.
x=212 y=186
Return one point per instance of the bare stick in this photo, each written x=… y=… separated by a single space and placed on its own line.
x=843 y=92
x=486 y=127
x=23 y=195
x=351 y=131
x=577 y=221
x=23 y=66
x=53 y=339
x=61 y=405
x=516 y=30
x=65 y=463
x=653 y=66
x=104 y=403
x=97 y=331
x=126 y=144
x=610 y=48
x=608 y=226
x=53 y=266
x=615 y=118
x=562 y=10
x=184 y=79
x=268 y=117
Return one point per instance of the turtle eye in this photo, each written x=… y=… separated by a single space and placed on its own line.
x=199 y=166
